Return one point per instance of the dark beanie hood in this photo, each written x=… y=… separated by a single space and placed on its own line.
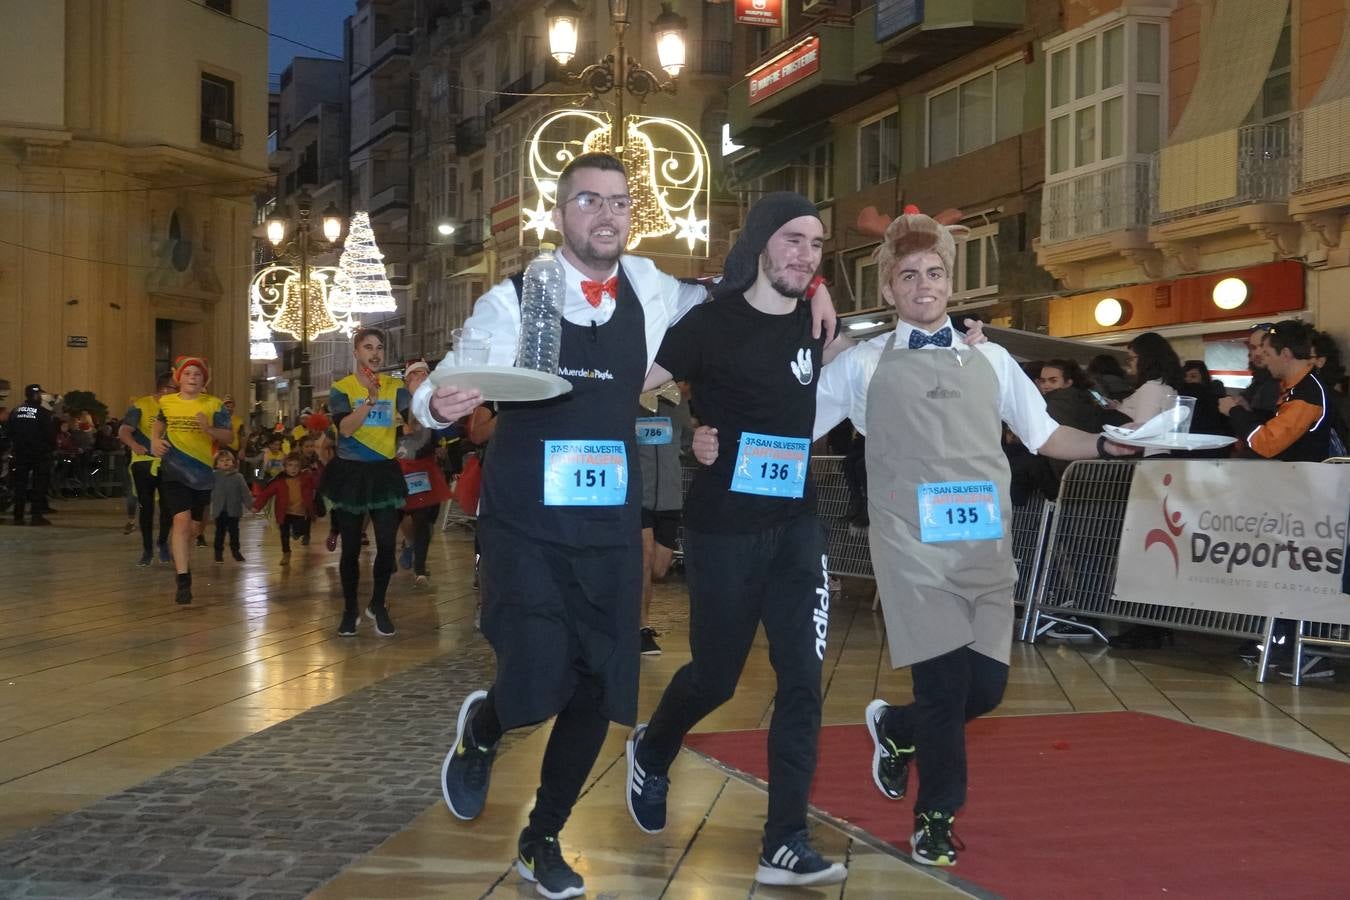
x=770 y=213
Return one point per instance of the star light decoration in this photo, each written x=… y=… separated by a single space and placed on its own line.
x=668 y=176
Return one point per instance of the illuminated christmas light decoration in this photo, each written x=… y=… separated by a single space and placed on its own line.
x=361 y=285
x=277 y=294
x=668 y=176
x=260 y=343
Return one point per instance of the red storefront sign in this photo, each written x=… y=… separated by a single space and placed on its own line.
x=768 y=13
x=786 y=70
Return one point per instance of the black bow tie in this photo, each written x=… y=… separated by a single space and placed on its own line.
x=942 y=338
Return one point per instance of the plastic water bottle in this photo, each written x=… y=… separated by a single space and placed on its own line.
x=541 y=308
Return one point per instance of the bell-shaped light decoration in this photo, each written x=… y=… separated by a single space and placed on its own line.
x=564 y=21
x=669 y=29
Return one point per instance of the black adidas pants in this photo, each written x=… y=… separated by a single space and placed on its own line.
x=736 y=581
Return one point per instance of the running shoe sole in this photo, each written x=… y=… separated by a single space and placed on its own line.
x=468 y=704
x=528 y=875
x=835 y=874
x=872 y=709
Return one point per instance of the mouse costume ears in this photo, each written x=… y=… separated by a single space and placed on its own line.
x=913 y=232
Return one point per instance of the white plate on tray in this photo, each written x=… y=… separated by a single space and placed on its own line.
x=1173 y=441
x=504 y=383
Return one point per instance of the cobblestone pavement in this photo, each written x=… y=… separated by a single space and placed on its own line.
x=269 y=817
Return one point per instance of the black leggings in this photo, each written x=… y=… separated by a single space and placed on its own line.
x=573 y=746
x=385 y=522
x=423 y=520
x=293 y=526
x=146 y=487
x=949 y=691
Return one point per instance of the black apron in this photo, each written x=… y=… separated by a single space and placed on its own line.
x=562 y=584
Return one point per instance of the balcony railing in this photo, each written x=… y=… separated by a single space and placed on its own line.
x=1098 y=202
x=1251 y=164
x=470 y=135
x=469 y=236
x=710 y=57
x=219 y=133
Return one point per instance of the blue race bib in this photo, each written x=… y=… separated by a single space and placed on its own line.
x=418 y=482
x=655 y=430
x=959 y=511
x=771 y=466
x=585 y=473
x=381 y=414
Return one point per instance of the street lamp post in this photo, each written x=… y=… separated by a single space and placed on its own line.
x=618 y=72
x=299 y=249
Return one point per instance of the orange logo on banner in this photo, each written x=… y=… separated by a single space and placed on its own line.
x=788 y=69
x=768 y=13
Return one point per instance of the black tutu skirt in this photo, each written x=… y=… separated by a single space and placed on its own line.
x=358 y=487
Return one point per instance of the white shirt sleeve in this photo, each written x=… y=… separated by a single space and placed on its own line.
x=1020 y=403
x=496 y=312
x=841 y=392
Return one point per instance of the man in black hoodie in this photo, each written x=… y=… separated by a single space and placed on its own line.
x=32 y=431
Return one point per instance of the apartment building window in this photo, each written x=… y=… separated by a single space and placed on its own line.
x=879 y=149
x=217 y=107
x=505 y=163
x=811 y=175
x=866 y=292
x=1274 y=104
x=977 y=264
x=1104 y=95
x=977 y=111
x=444 y=199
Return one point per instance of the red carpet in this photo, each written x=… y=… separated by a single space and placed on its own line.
x=1107 y=805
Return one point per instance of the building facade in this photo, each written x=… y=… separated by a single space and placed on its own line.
x=485 y=78
x=128 y=164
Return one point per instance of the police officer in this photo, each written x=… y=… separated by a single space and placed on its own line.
x=32 y=431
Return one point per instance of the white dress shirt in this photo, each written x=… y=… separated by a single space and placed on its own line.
x=664 y=301
x=842 y=391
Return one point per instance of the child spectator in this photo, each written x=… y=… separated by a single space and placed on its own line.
x=293 y=494
x=273 y=458
x=228 y=497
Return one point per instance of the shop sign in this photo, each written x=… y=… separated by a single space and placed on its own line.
x=786 y=70
x=765 y=13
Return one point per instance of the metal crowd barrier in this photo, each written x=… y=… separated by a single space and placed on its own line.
x=1328 y=638
x=1078 y=577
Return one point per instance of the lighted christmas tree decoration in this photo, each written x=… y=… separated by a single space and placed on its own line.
x=361 y=285
x=259 y=334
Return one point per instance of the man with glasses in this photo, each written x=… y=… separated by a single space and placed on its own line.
x=562 y=581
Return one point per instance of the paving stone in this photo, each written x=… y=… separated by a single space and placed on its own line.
x=269 y=817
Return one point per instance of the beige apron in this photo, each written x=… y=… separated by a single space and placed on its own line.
x=933 y=416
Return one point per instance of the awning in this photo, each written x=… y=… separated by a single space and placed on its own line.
x=779 y=154
x=1239 y=44
x=1023 y=345
x=1337 y=83
x=478 y=268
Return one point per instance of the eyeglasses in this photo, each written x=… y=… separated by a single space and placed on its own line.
x=589 y=202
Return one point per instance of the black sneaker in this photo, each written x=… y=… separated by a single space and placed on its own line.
x=934 y=842
x=146 y=558
x=201 y=541
x=183 y=596
x=38 y=520
x=468 y=767
x=384 y=626
x=646 y=790
x=649 y=645
x=238 y=557
x=1313 y=667
x=348 y=626
x=890 y=764
x=795 y=861
x=540 y=860
x=220 y=557
x=164 y=555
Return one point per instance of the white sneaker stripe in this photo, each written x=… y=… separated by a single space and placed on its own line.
x=778 y=855
x=791 y=861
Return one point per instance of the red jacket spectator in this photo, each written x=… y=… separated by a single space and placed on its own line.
x=278 y=489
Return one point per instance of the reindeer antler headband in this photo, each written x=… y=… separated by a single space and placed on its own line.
x=912 y=232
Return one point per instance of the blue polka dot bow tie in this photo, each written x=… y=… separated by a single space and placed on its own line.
x=943 y=338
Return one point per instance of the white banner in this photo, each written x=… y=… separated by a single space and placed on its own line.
x=1263 y=538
